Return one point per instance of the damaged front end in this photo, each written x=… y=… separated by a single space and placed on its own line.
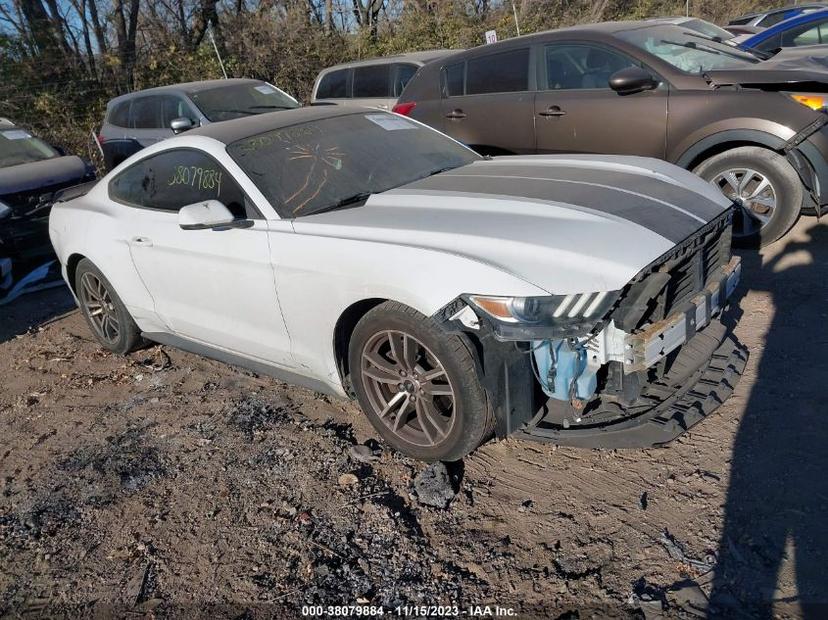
x=629 y=368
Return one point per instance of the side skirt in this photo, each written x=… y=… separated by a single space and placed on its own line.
x=242 y=362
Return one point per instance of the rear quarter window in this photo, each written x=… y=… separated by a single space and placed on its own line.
x=402 y=76
x=333 y=85
x=119 y=116
x=372 y=81
x=498 y=73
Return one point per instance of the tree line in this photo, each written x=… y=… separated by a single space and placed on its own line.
x=61 y=60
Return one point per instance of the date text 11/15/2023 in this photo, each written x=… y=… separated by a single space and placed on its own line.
x=408 y=611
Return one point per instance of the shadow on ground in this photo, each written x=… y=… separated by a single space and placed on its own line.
x=777 y=501
x=32 y=310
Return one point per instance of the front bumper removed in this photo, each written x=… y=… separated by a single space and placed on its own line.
x=709 y=386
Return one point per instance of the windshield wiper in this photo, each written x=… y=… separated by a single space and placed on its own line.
x=706 y=48
x=271 y=107
x=345 y=202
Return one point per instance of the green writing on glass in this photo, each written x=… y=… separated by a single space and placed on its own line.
x=199 y=178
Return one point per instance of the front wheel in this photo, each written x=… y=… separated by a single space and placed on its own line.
x=418 y=385
x=764 y=186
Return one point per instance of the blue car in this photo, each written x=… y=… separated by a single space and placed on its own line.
x=810 y=28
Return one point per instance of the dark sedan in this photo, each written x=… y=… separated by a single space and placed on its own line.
x=639 y=88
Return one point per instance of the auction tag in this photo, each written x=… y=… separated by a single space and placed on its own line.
x=16 y=134
x=265 y=89
x=390 y=123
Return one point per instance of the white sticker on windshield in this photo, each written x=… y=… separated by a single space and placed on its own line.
x=16 y=134
x=266 y=89
x=390 y=123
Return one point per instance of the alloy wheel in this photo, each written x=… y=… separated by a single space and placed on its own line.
x=408 y=388
x=755 y=196
x=100 y=308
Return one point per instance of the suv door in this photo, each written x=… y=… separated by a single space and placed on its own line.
x=577 y=112
x=213 y=286
x=487 y=102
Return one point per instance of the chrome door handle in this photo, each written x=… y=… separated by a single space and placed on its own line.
x=553 y=110
x=456 y=114
x=141 y=241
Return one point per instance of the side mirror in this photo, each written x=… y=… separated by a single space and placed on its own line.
x=205 y=215
x=632 y=80
x=60 y=150
x=182 y=123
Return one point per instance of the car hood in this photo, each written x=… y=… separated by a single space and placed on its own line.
x=775 y=73
x=564 y=224
x=41 y=174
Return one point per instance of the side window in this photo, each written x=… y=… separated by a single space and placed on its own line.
x=173 y=107
x=581 y=66
x=333 y=85
x=174 y=179
x=120 y=115
x=498 y=73
x=454 y=79
x=372 y=81
x=775 y=18
x=402 y=75
x=810 y=34
x=145 y=113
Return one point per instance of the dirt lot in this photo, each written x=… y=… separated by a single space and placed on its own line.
x=166 y=485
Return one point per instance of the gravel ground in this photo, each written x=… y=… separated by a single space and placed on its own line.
x=163 y=484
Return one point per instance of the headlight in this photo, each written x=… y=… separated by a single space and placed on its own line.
x=541 y=318
x=815 y=102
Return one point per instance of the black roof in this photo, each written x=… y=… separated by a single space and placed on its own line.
x=240 y=128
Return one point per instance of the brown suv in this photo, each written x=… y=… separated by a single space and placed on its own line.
x=643 y=88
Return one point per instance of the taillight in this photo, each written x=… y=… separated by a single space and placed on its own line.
x=404 y=108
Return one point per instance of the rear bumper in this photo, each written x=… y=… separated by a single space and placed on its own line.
x=710 y=386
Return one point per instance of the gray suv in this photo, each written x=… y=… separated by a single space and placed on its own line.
x=145 y=117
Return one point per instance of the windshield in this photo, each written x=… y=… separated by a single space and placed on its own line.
x=686 y=50
x=226 y=102
x=18 y=146
x=338 y=162
x=707 y=29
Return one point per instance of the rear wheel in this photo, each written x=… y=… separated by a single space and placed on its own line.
x=418 y=385
x=764 y=186
x=104 y=311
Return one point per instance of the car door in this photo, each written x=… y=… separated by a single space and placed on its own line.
x=577 y=112
x=487 y=102
x=213 y=286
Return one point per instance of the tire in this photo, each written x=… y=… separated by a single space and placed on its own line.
x=784 y=190
x=105 y=313
x=463 y=420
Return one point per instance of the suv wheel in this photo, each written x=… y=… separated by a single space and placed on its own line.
x=418 y=384
x=104 y=311
x=764 y=185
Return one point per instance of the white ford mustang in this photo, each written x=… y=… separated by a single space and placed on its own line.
x=362 y=254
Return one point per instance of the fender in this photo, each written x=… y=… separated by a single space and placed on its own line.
x=798 y=154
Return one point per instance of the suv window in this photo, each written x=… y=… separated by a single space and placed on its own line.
x=505 y=72
x=174 y=179
x=581 y=66
x=120 y=114
x=333 y=85
x=372 y=81
x=403 y=75
x=454 y=77
x=145 y=113
x=173 y=107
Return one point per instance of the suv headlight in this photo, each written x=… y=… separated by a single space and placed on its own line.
x=542 y=318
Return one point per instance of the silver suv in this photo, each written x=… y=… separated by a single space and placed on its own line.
x=375 y=83
x=145 y=117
